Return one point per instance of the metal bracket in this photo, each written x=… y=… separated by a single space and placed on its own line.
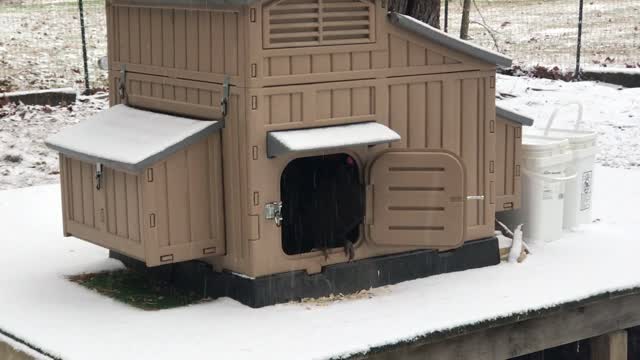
x=475 y=197
x=122 y=84
x=273 y=211
x=224 y=103
x=98 y=176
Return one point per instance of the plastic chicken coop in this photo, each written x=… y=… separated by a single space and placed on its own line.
x=265 y=137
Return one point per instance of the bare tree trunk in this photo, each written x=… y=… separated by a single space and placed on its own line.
x=464 y=25
x=427 y=11
x=398 y=6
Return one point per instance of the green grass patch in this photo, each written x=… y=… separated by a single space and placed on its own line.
x=137 y=289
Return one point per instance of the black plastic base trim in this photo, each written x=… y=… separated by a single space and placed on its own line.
x=342 y=278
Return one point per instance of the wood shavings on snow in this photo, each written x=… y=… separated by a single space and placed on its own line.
x=333 y=298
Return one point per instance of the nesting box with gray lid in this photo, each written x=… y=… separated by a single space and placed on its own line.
x=267 y=137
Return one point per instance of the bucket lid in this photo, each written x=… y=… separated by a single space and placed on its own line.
x=534 y=146
x=578 y=139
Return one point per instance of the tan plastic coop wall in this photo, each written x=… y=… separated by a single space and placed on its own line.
x=171 y=212
x=180 y=42
x=388 y=51
x=435 y=98
x=508 y=158
x=453 y=112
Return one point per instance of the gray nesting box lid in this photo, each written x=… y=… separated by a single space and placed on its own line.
x=129 y=139
x=440 y=37
x=513 y=116
x=330 y=137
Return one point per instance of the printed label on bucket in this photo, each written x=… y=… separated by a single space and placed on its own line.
x=585 y=193
x=547 y=193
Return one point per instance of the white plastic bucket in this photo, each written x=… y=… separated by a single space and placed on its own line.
x=577 y=203
x=545 y=170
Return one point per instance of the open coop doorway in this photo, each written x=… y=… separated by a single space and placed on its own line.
x=322 y=203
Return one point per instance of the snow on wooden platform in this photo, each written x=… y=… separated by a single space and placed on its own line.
x=38 y=305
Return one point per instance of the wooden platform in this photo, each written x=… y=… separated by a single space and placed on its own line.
x=603 y=319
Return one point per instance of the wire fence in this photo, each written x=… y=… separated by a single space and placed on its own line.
x=41 y=47
x=546 y=32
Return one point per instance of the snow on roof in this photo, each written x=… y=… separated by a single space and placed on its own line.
x=369 y=133
x=513 y=116
x=129 y=139
x=429 y=32
x=39 y=305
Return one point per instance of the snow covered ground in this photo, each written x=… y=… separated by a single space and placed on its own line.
x=41 y=48
x=612 y=111
x=65 y=319
x=40 y=43
x=24 y=159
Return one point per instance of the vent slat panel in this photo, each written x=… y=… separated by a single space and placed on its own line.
x=293 y=23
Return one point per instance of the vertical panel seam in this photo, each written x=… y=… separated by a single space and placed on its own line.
x=442 y=112
x=166 y=211
x=407 y=113
x=460 y=99
x=126 y=204
x=188 y=185
x=426 y=114
x=224 y=44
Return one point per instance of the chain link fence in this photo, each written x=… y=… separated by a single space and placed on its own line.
x=41 y=47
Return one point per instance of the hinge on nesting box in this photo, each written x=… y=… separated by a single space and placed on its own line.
x=122 y=84
x=224 y=103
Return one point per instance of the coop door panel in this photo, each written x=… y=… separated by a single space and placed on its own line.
x=108 y=216
x=416 y=199
x=197 y=99
x=184 y=205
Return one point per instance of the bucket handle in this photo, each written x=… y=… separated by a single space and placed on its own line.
x=555 y=113
x=549 y=178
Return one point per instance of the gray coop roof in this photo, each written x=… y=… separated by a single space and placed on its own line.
x=129 y=139
x=440 y=37
x=513 y=116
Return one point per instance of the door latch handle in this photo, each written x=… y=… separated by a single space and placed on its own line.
x=273 y=211
x=98 y=176
x=475 y=197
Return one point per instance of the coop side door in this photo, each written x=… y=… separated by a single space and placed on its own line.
x=415 y=198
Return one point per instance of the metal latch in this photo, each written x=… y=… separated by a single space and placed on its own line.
x=122 y=81
x=98 y=176
x=475 y=197
x=273 y=211
x=224 y=103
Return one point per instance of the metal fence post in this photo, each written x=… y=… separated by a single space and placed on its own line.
x=577 y=74
x=84 y=48
x=446 y=15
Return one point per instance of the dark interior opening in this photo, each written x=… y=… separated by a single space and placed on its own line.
x=322 y=203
